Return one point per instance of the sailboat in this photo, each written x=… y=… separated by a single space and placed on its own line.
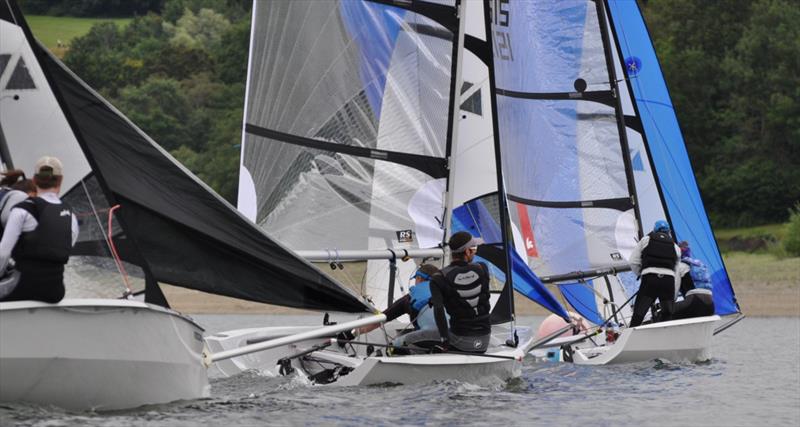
x=144 y=220
x=357 y=151
x=594 y=156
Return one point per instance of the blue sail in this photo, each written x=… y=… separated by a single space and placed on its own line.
x=476 y=218
x=582 y=298
x=667 y=149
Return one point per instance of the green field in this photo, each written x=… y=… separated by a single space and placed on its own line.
x=50 y=29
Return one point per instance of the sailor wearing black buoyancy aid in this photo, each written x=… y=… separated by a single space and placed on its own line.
x=40 y=234
x=655 y=259
x=462 y=288
x=695 y=286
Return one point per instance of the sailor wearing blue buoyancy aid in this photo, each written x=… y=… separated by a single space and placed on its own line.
x=655 y=259
x=694 y=282
x=416 y=304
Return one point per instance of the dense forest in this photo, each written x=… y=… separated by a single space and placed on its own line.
x=733 y=68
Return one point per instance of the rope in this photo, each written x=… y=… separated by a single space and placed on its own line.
x=114 y=252
x=108 y=237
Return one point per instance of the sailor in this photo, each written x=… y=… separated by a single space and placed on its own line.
x=695 y=285
x=416 y=304
x=14 y=188
x=655 y=260
x=462 y=288
x=40 y=234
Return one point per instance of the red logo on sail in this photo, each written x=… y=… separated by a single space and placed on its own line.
x=527 y=231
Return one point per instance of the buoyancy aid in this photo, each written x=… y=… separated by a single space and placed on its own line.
x=465 y=289
x=659 y=252
x=699 y=273
x=51 y=241
x=420 y=295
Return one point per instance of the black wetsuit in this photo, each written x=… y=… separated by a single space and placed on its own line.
x=40 y=254
x=463 y=290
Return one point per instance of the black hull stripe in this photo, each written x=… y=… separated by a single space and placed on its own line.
x=436 y=167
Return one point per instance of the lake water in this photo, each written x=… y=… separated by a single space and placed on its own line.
x=753 y=379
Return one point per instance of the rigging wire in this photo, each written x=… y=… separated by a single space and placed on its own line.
x=106 y=237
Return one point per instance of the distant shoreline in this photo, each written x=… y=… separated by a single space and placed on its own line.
x=755 y=301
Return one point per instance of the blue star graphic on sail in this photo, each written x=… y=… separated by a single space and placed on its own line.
x=633 y=65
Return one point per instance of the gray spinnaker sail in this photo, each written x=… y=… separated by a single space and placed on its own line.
x=346 y=126
x=183 y=232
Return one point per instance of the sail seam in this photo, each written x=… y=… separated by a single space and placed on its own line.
x=436 y=167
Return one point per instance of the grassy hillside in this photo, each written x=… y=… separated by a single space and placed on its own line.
x=50 y=29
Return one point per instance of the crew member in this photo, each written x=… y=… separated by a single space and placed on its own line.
x=462 y=288
x=655 y=261
x=40 y=234
x=695 y=285
x=416 y=304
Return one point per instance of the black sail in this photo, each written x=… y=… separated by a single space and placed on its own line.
x=184 y=233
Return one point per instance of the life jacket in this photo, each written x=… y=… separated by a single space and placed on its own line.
x=699 y=273
x=420 y=295
x=465 y=289
x=51 y=241
x=659 y=252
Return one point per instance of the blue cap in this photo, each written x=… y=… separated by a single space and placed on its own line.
x=661 y=226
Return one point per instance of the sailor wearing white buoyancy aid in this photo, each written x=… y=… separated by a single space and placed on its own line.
x=40 y=233
x=694 y=283
x=655 y=259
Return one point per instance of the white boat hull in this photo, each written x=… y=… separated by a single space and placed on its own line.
x=97 y=354
x=675 y=340
x=367 y=370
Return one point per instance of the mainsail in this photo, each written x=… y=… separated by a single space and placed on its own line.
x=346 y=126
x=587 y=163
x=182 y=232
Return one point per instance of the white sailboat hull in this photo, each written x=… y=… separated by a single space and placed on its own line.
x=675 y=340
x=373 y=369
x=96 y=354
x=426 y=368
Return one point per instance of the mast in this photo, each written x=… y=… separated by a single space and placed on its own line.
x=623 y=137
x=638 y=116
x=508 y=289
x=453 y=123
x=5 y=155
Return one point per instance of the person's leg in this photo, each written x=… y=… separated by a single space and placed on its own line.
x=682 y=309
x=666 y=296
x=472 y=344
x=644 y=300
x=423 y=339
x=707 y=308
